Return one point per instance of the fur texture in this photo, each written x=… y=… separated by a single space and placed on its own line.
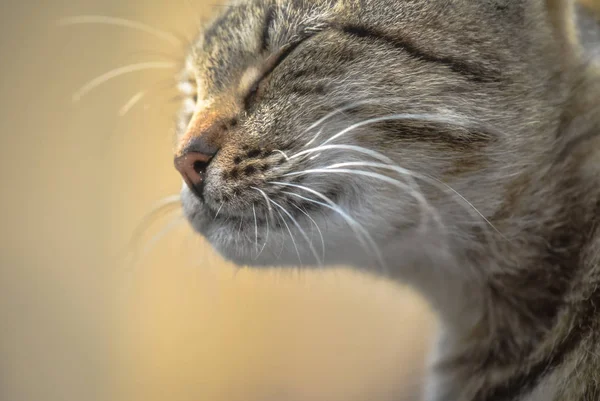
x=450 y=144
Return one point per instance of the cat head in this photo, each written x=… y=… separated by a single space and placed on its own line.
x=346 y=131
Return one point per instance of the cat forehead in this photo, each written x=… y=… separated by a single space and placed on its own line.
x=241 y=21
x=247 y=31
x=244 y=33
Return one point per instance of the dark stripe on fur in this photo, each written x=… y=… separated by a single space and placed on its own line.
x=470 y=71
x=264 y=38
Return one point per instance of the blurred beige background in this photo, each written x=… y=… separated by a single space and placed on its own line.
x=77 y=323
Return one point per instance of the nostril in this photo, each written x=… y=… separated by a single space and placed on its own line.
x=200 y=167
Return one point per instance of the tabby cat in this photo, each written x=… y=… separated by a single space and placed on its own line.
x=453 y=145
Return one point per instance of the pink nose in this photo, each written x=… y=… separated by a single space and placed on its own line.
x=192 y=167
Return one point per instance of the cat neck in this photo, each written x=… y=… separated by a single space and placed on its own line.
x=550 y=233
x=539 y=291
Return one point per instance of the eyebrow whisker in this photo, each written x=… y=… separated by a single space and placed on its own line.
x=122 y=22
x=135 y=99
x=117 y=72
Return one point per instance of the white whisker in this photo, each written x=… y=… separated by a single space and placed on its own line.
x=361 y=233
x=435 y=118
x=179 y=220
x=100 y=19
x=219 y=210
x=269 y=215
x=424 y=177
x=416 y=194
x=131 y=103
x=266 y=239
x=117 y=72
x=163 y=206
x=471 y=206
x=341 y=110
x=281 y=153
x=314 y=138
x=266 y=197
x=409 y=174
x=302 y=232
x=358 y=149
x=318 y=229
x=332 y=169
x=291 y=236
x=255 y=228
x=279 y=219
x=240 y=227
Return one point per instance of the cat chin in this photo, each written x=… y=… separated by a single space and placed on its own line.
x=241 y=246
x=278 y=251
x=392 y=246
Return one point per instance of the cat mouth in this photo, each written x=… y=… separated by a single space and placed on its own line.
x=271 y=230
x=270 y=206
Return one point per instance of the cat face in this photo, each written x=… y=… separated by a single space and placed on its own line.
x=328 y=132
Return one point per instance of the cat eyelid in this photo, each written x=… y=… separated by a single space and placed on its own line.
x=271 y=63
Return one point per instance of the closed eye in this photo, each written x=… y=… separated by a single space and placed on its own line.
x=270 y=65
x=472 y=72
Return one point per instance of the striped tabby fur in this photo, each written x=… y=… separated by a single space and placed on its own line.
x=450 y=144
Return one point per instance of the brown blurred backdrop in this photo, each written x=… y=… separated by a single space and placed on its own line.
x=76 y=323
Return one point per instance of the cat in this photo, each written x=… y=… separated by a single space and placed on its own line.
x=453 y=145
